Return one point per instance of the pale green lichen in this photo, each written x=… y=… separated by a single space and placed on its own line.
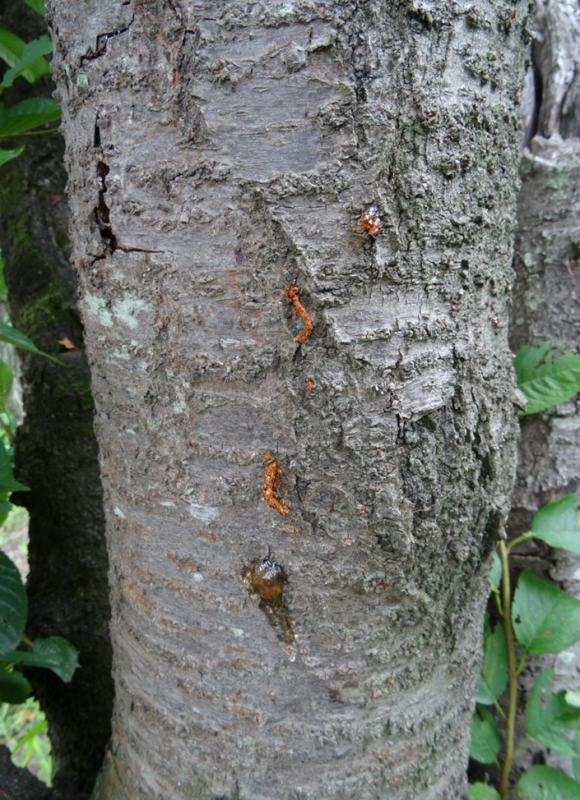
x=529 y=260
x=534 y=300
x=127 y=309
x=153 y=426
x=97 y=307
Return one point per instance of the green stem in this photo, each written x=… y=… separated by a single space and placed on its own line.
x=49 y=132
x=521 y=746
x=499 y=709
x=512 y=671
x=498 y=602
x=521 y=538
x=521 y=664
x=7 y=431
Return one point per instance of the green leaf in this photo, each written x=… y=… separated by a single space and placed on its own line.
x=11 y=47
x=481 y=791
x=484 y=736
x=549 y=716
x=559 y=524
x=547 y=374
x=33 y=53
x=5 y=506
x=6 y=378
x=27 y=115
x=495 y=574
x=493 y=676
x=8 y=483
x=37 y=5
x=576 y=761
x=13 y=604
x=11 y=51
x=14 y=688
x=53 y=653
x=547 y=783
x=12 y=336
x=63 y=654
x=573 y=698
x=39 y=728
x=8 y=155
x=545 y=619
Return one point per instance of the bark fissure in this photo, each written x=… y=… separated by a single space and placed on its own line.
x=102 y=212
x=101 y=42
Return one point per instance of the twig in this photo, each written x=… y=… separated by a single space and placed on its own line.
x=49 y=132
x=512 y=672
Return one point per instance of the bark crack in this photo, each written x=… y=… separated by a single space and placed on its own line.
x=102 y=39
x=102 y=211
x=172 y=7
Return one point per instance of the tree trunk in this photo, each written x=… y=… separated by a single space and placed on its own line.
x=219 y=154
x=546 y=297
x=56 y=451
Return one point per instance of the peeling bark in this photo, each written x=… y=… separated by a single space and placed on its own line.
x=545 y=308
x=219 y=153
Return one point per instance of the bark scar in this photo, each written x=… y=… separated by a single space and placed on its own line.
x=272 y=482
x=267 y=580
x=292 y=292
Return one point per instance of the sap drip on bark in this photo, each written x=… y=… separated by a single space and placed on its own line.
x=266 y=579
x=294 y=298
x=272 y=481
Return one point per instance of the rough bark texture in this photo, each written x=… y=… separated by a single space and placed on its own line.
x=219 y=153
x=546 y=306
x=56 y=451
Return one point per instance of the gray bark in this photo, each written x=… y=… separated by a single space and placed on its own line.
x=546 y=304
x=217 y=154
x=56 y=452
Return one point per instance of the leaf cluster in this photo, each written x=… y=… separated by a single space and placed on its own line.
x=26 y=60
x=547 y=374
x=544 y=619
x=53 y=653
x=16 y=650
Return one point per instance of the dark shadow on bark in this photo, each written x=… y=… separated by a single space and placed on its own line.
x=56 y=451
